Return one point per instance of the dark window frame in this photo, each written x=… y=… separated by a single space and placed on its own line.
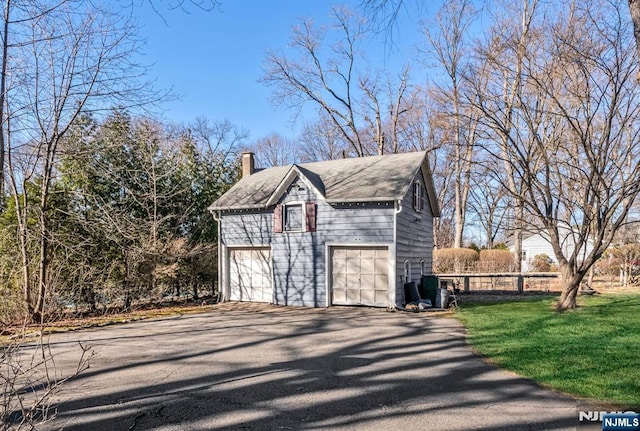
x=418 y=196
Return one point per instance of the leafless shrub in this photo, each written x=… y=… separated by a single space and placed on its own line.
x=495 y=261
x=29 y=379
x=455 y=260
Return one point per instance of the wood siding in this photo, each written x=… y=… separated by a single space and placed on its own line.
x=299 y=258
x=248 y=228
x=414 y=240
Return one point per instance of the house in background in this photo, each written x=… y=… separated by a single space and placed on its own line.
x=343 y=232
x=536 y=243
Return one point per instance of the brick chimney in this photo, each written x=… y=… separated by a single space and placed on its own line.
x=248 y=164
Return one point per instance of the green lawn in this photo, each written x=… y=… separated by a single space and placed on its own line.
x=591 y=352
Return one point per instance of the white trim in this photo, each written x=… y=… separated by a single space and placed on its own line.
x=218 y=219
x=393 y=256
x=406 y=266
x=273 y=275
x=371 y=199
x=303 y=221
x=358 y=244
x=226 y=285
x=288 y=179
x=307 y=182
x=423 y=267
x=248 y=246
x=284 y=184
x=425 y=169
x=328 y=275
x=392 y=275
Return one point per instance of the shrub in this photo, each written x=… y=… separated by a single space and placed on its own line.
x=541 y=263
x=474 y=246
x=500 y=246
x=495 y=261
x=454 y=260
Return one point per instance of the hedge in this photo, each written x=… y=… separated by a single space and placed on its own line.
x=495 y=261
x=454 y=260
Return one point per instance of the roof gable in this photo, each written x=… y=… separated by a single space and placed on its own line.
x=363 y=179
x=309 y=178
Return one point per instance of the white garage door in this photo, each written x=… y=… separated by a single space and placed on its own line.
x=250 y=275
x=360 y=276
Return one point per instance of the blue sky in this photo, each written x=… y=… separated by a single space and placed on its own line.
x=213 y=60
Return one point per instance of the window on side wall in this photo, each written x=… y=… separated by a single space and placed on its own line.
x=407 y=271
x=418 y=196
x=293 y=218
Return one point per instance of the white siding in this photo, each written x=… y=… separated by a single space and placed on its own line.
x=540 y=244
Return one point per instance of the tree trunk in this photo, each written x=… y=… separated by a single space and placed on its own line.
x=591 y=276
x=634 y=9
x=571 y=283
x=21 y=203
x=459 y=227
x=43 y=270
x=43 y=265
x=3 y=90
x=517 y=235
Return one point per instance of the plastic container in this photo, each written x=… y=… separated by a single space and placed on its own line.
x=429 y=287
x=442 y=298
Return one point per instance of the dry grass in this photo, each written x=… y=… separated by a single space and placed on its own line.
x=74 y=323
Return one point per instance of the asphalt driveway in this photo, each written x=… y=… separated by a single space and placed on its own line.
x=274 y=368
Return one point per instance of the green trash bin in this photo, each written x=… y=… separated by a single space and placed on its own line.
x=429 y=285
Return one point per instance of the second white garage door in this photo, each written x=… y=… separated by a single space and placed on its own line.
x=250 y=275
x=360 y=276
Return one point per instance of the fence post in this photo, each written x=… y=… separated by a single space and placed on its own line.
x=465 y=282
x=520 y=283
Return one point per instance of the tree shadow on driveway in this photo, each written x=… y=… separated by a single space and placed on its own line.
x=298 y=369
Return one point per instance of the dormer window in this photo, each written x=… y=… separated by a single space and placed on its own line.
x=293 y=215
x=418 y=196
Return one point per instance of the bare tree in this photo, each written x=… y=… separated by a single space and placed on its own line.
x=184 y=5
x=488 y=199
x=634 y=9
x=73 y=57
x=572 y=131
x=275 y=150
x=222 y=138
x=496 y=76
x=333 y=76
x=321 y=141
x=448 y=46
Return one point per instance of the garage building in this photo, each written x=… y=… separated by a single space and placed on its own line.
x=340 y=232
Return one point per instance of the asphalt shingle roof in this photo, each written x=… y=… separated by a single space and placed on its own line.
x=363 y=179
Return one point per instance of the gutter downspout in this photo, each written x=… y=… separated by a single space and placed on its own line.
x=394 y=261
x=218 y=219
